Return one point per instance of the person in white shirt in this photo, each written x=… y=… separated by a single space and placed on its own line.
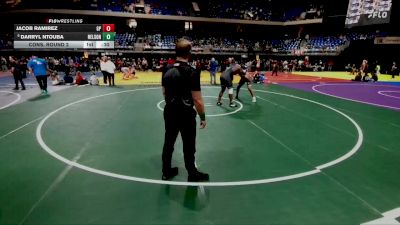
x=93 y=80
x=109 y=66
x=103 y=68
x=55 y=79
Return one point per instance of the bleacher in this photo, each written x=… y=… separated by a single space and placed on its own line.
x=248 y=10
x=6 y=41
x=159 y=42
x=126 y=40
x=113 y=5
x=285 y=45
x=358 y=36
x=325 y=43
x=244 y=10
x=214 y=44
x=158 y=7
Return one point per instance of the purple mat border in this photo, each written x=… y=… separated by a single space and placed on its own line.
x=366 y=93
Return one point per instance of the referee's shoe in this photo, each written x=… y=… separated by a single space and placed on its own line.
x=198 y=177
x=171 y=173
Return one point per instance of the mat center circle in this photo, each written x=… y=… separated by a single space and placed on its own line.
x=315 y=170
x=209 y=105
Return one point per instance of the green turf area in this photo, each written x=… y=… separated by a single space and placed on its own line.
x=123 y=133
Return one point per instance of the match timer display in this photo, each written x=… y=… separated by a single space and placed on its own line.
x=64 y=36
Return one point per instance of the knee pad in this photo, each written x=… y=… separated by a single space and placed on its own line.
x=230 y=91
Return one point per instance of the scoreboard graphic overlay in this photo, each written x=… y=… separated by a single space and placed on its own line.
x=64 y=36
x=367 y=12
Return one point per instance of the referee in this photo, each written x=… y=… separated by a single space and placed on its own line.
x=181 y=90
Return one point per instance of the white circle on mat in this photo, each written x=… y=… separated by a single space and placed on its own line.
x=316 y=170
x=13 y=102
x=211 y=115
x=388 y=95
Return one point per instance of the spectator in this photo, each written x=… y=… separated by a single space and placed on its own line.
x=144 y=64
x=348 y=68
x=171 y=61
x=366 y=78
x=3 y=63
x=103 y=69
x=80 y=79
x=93 y=80
x=16 y=71
x=364 y=66
x=213 y=67
x=374 y=77
x=353 y=69
x=39 y=68
x=394 y=71
x=358 y=77
x=109 y=66
x=55 y=79
x=68 y=79
x=378 y=68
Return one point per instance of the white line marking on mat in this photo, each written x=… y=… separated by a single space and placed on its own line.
x=390 y=96
x=359 y=131
x=384 y=148
x=55 y=183
x=291 y=150
x=307 y=117
x=325 y=124
x=353 y=194
x=13 y=102
x=19 y=128
x=211 y=115
x=369 y=117
x=389 y=218
x=281 y=143
x=202 y=190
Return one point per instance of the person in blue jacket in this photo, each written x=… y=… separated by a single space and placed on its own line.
x=39 y=68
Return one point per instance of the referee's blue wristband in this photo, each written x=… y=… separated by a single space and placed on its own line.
x=202 y=116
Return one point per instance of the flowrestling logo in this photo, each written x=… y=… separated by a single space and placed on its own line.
x=366 y=12
x=379 y=15
x=64 y=21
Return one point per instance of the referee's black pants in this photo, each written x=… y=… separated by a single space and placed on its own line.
x=179 y=119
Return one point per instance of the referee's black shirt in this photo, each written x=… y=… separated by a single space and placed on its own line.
x=179 y=81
